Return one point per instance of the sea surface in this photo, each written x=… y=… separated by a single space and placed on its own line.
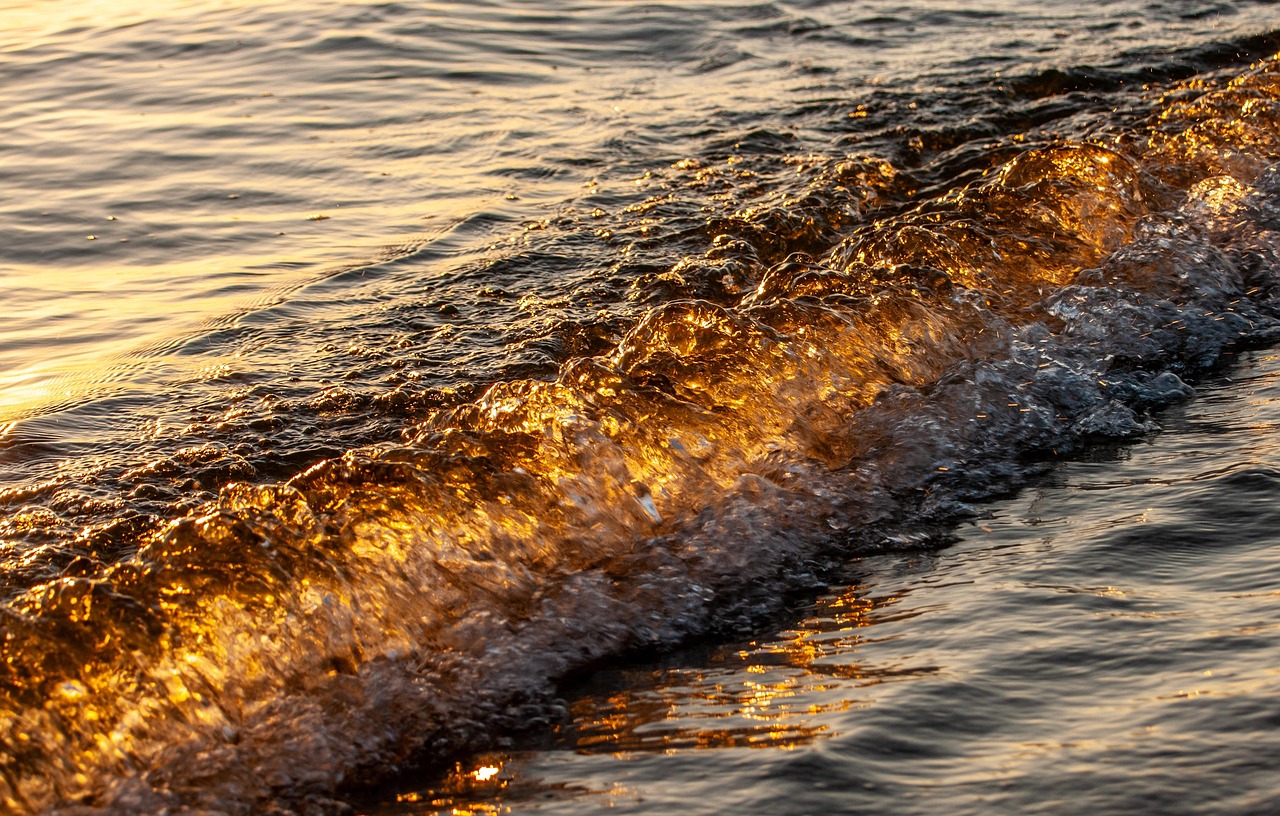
x=561 y=407
x=1104 y=642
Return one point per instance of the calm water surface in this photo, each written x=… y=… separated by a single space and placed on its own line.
x=385 y=387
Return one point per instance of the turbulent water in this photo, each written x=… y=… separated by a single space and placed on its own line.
x=369 y=371
x=1102 y=643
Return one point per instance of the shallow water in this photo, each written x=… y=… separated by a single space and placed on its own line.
x=1105 y=642
x=370 y=370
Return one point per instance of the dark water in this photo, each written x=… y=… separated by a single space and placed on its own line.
x=373 y=373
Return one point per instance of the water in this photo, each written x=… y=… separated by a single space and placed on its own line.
x=372 y=372
x=1105 y=642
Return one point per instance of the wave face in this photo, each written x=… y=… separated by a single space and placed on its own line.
x=791 y=359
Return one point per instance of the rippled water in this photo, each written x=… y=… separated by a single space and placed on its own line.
x=371 y=371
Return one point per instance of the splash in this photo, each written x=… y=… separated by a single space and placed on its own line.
x=404 y=602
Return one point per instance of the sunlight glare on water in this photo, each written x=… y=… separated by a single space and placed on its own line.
x=210 y=146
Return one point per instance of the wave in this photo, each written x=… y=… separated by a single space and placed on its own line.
x=407 y=601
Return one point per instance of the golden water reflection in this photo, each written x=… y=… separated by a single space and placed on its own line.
x=481 y=787
x=776 y=692
x=767 y=694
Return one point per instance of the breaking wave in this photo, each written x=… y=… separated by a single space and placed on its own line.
x=408 y=600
